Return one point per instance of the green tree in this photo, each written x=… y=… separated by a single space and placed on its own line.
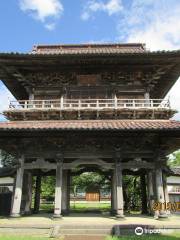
x=7 y=159
x=89 y=180
x=48 y=187
x=174 y=159
x=132 y=192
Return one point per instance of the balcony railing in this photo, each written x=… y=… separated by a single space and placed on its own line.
x=85 y=104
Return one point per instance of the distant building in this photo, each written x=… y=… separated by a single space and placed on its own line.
x=173 y=185
x=6 y=180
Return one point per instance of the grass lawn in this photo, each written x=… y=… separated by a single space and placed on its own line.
x=46 y=207
x=80 y=206
x=84 y=206
x=17 y=237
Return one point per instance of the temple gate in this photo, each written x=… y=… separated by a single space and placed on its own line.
x=89 y=106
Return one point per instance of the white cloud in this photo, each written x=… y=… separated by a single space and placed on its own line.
x=110 y=7
x=162 y=33
x=46 y=11
x=156 y=23
x=50 y=26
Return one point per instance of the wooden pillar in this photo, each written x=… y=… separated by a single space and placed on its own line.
x=113 y=193
x=160 y=192
x=13 y=193
x=119 y=189
x=65 y=191
x=166 y=194
x=151 y=194
x=58 y=190
x=16 y=206
x=146 y=95
x=31 y=96
x=26 y=193
x=27 y=209
x=68 y=190
x=143 y=194
x=37 y=193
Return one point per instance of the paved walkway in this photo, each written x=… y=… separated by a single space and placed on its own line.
x=83 y=226
x=95 y=219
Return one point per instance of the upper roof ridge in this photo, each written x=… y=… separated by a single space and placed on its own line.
x=88 y=47
x=83 y=45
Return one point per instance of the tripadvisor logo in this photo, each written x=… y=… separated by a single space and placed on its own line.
x=139 y=231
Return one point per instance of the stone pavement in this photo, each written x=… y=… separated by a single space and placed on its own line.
x=85 y=218
x=80 y=224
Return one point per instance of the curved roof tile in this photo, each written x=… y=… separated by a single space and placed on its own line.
x=116 y=125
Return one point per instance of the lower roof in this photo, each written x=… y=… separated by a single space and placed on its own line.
x=175 y=171
x=7 y=171
x=91 y=125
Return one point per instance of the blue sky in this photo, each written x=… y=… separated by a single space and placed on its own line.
x=24 y=23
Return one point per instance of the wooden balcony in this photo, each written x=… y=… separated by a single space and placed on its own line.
x=97 y=104
x=88 y=108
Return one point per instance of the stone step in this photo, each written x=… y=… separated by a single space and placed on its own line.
x=86 y=226
x=84 y=237
x=25 y=231
x=85 y=231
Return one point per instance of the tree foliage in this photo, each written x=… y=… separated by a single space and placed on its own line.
x=174 y=159
x=7 y=159
x=89 y=180
x=48 y=187
x=132 y=192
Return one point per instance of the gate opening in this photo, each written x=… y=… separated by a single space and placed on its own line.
x=90 y=193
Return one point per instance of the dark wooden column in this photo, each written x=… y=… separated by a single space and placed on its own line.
x=37 y=193
x=143 y=194
x=160 y=191
x=166 y=195
x=151 y=191
x=65 y=192
x=113 y=193
x=58 y=189
x=68 y=190
x=26 y=193
x=119 y=187
x=16 y=203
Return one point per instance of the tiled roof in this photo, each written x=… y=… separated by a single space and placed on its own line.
x=92 y=49
x=89 y=49
x=116 y=125
x=7 y=171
